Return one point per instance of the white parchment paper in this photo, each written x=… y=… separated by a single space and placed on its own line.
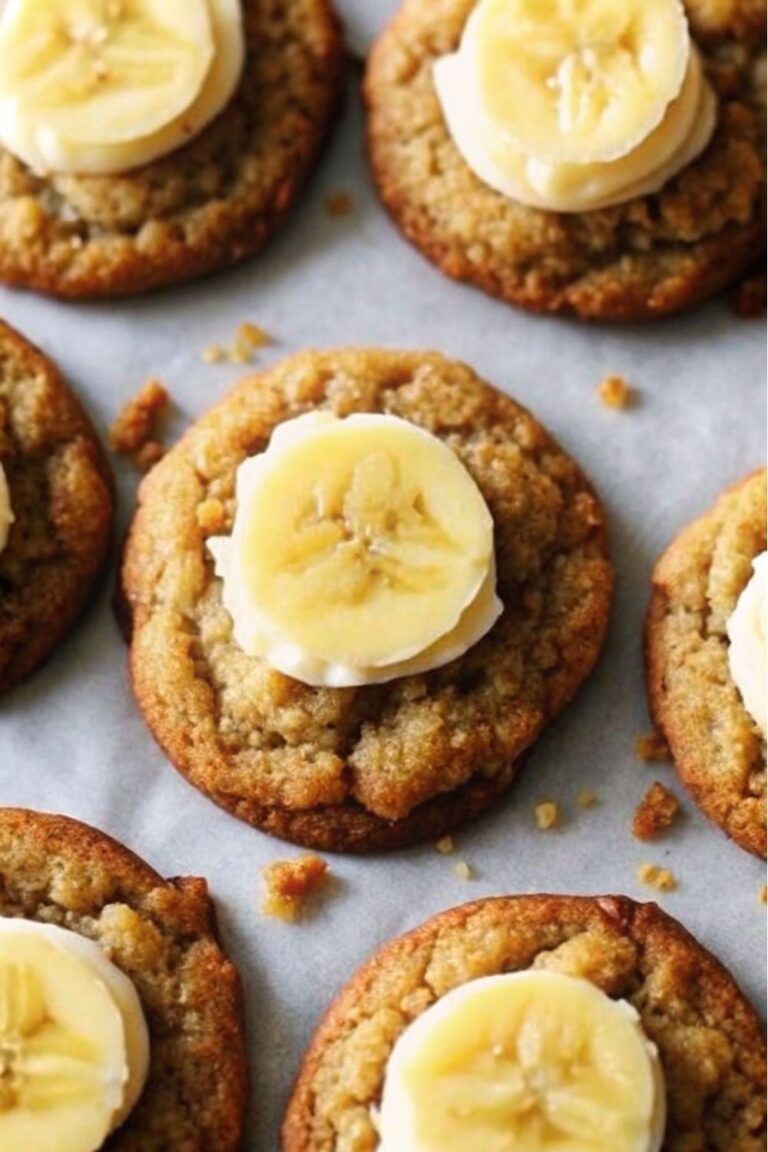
x=72 y=740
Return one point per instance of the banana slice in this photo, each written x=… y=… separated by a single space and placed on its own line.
x=6 y=511
x=362 y=550
x=748 y=652
x=63 y=1058
x=580 y=81
x=528 y=1062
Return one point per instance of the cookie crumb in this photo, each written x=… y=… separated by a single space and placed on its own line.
x=657 y=810
x=652 y=748
x=338 y=204
x=615 y=392
x=288 y=883
x=463 y=870
x=547 y=815
x=214 y=354
x=248 y=339
x=764 y=894
x=655 y=877
x=749 y=299
x=134 y=431
x=445 y=845
x=587 y=799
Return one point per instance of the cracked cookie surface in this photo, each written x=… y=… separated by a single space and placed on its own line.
x=718 y=749
x=653 y=255
x=61 y=495
x=162 y=934
x=205 y=206
x=710 y=1041
x=359 y=769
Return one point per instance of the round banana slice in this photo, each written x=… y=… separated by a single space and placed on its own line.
x=362 y=542
x=95 y=71
x=748 y=652
x=63 y=1059
x=578 y=81
x=527 y=1062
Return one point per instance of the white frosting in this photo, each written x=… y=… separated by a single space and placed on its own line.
x=6 y=511
x=748 y=652
x=682 y=135
x=258 y=635
x=120 y=988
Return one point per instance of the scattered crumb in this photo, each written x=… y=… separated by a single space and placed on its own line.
x=463 y=870
x=288 y=883
x=338 y=204
x=214 y=354
x=211 y=516
x=615 y=392
x=764 y=894
x=652 y=748
x=749 y=299
x=655 y=812
x=134 y=431
x=587 y=799
x=547 y=815
x=248 y=339
x=445 y=846
x=655 y=877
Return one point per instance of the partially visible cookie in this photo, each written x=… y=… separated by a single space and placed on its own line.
x=210 y=204
x=381 y=766
x=162 y=935
x=716 y=745
x=60 y=491
x=653 y=255
x=709 y=1038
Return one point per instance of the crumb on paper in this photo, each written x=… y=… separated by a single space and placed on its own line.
x=547 y=815
x=587 y=799
x=657 y=810
x=656 y=877
x=749 y=299
x=463 y=870
x=134 y=431
x=652 y=748
x=211 y=515
x=338 y=204
x=764 y=894
x=288 y=884
x=214 y=354
x=445 y=845
x=249 y=338
x=615 y=392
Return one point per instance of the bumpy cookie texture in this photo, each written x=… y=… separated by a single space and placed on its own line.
x=162 y=934
x=357 y=769
x=653 y=255
x=61 y=495
x=710 y=1041
x=716 y=745
x=208 y=205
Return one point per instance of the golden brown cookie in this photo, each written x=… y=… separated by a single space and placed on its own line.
x=208 y=205
x=716 y=745
x=61 y=496
x=638 y=260
x=358 y=769
x=710 y=1041
x=162 y=934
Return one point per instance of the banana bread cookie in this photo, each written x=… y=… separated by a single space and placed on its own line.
x=384 y=765
x=649 y=256
x=718 y=748
x=709 y=1039
x=207 y=205
x=162 y=935
x=59 y=493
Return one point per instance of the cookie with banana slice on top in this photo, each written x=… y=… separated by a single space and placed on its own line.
x=56 y=508
x=527 y=1023
x=145 y=142
x=120 y=1016
x=603 y=158
x=357 y=591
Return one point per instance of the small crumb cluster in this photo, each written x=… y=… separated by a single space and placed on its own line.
x=247 y=341
x=652 y=748
x=547 y=815
x=135 y=431
x=656 y=877
x=445 y=845
x=587 y=799
x=657 y=810
x=615 y=392
x=463 y=870
x=338 y=204
x=289 y=883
